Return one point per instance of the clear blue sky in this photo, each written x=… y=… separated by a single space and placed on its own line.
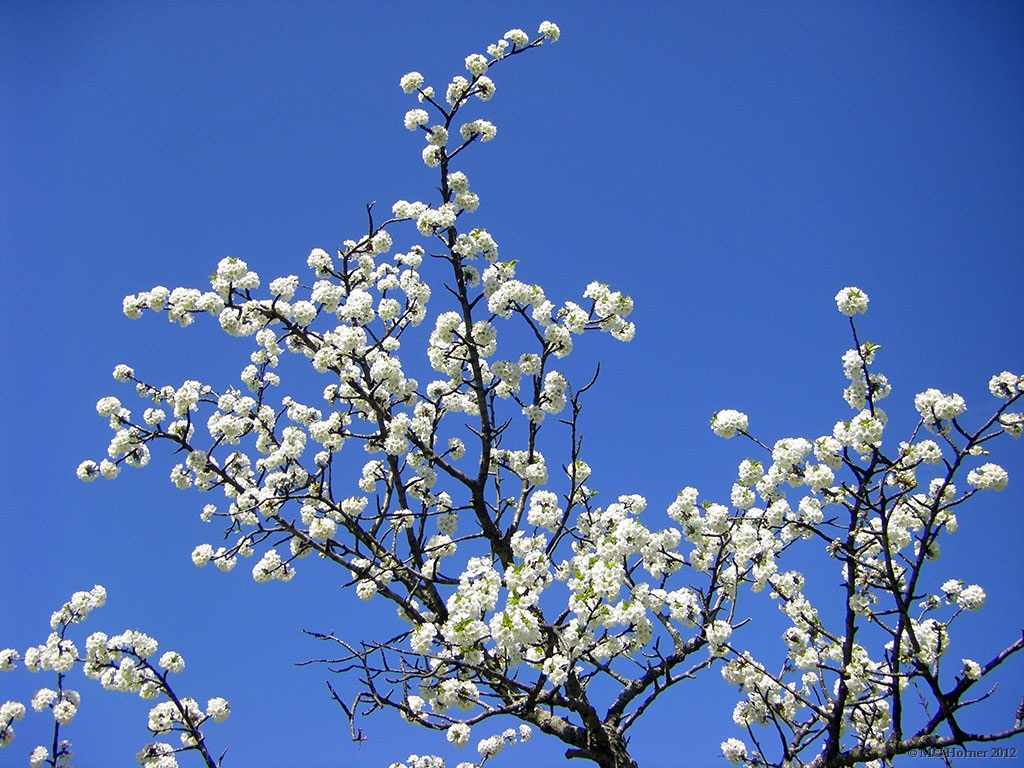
x=731 y=165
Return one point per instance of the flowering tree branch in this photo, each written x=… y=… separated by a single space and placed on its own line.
x=832 y=698
x=423 y=479
x=119 y=663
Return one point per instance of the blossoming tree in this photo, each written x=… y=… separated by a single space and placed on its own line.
x=464 y=498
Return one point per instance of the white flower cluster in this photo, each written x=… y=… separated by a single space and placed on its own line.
x=157 y=755
x=988 y=477
x=64 y=705
x=734 y=750
x=518 y=39
x=78 y=608
x=420 y=761
x=891 y=539
x=864 y=384
x=852 y=301
x=119 y=663
x=496 y=614
x=465 y=200
x=727 y=423
x=1006 y=385
x=969 y=598
x=549 y=30
x=484 y=129
x=182 y=304
x=506 y=295
x=972 y=669
x=936 y=408
x=460 y=90
x=458 y=734
x=10 y=712
x=862 y=433
x=346 y=349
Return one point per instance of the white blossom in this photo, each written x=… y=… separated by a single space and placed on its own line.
x=852 y=301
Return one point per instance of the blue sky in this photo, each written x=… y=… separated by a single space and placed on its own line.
x=730 y=165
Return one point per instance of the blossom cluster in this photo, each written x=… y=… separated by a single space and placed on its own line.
x=458 y=734
x=122 y=662
x=896 y=515
x=458 y=92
